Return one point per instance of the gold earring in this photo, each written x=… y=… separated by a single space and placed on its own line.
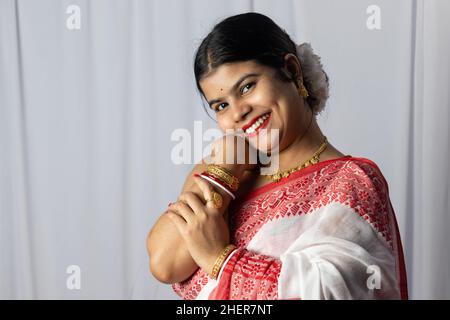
x=303 y=92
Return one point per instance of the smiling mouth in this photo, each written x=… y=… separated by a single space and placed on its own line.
x=257 y=125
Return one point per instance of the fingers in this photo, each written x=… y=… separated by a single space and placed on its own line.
x=193 y=201
x=179 y=222
x=204 y=186
x=214 y=198
x=181 y=209
x=208 y=192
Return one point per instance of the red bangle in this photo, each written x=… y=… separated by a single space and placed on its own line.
x=205 y=173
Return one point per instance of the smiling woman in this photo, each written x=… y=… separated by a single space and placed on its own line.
x=322 y=227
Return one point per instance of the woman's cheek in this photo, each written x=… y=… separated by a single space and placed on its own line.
x=223 y=124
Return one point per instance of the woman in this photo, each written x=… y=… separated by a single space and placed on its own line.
x=322 y=228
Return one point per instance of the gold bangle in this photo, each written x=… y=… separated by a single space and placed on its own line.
x=220 y=259
x=224 y=175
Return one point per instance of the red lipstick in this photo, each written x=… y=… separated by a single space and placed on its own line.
x=248 y=125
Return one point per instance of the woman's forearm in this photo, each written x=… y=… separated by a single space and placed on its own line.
x=170 y=260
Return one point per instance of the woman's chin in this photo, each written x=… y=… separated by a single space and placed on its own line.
x=265 y=142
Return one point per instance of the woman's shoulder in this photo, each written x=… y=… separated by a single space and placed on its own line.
x=364 y=166
x=360 y=173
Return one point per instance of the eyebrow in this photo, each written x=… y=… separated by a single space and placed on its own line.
x=245 y=76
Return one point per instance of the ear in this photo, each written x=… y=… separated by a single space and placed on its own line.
x=292 y=67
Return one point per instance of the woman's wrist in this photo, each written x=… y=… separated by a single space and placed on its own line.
x=236 y=169
x=220 y=261
x=225 y=177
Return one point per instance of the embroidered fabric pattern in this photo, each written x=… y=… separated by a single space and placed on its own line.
x=356 y=184
x=255 y=277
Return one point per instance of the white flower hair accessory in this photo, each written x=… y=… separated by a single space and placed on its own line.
x=315 y=78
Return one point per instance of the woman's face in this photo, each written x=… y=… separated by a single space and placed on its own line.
x=249 y=96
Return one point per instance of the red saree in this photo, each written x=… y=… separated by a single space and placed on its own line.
x=325 y=232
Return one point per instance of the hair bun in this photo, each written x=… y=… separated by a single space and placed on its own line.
x=315 y=78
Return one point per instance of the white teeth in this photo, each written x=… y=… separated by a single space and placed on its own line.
x=257 y=123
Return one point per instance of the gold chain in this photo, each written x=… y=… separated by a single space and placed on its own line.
x=313 y=160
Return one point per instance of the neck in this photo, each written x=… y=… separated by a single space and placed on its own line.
x=302 y=148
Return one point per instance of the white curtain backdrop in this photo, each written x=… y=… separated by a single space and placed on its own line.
x=86 y=118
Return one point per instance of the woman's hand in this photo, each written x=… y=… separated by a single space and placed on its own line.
x=203 y=227
x=234 y=152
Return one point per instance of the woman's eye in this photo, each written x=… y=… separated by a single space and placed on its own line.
x=248 y=85
x=222 y=106
x=218 y=108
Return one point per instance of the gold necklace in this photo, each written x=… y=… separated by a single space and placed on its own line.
x=313 y=160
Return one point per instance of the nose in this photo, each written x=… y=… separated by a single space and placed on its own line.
x=240 y=112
